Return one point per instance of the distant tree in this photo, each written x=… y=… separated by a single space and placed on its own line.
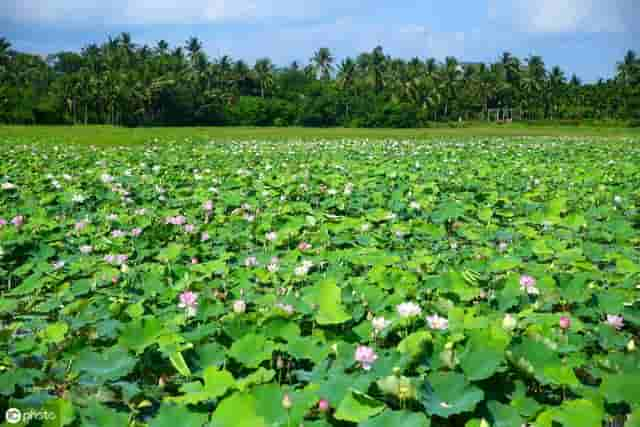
x=124 y=83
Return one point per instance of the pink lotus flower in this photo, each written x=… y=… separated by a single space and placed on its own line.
x=116 y=259
x=323 y=405
x=136 y=232
x=204 y=237
x=80 y=225
x=408 y=309
x=274 y=265
x=176 y=220
x=304 y=246
x=106 y=178
x=615 y=321
x=380 y=323
x=195 y=260
x=303 y=270
x=18 y=221
x=117 y=233
x=528 y=284
x=287 y=308
x=438 y=323
x=208 y=205
x=271 y=236
x=3 y=222
x=366 y=356
x=239 y=306
x=189 y=301
x=189 y=228
x=565 y=322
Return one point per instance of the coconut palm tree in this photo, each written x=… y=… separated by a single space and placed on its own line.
x=628 y=68
x=451 y=78
x=345 y=80
x=376 y=66
x=263 y=70
x=322 y=61
x=555 y=89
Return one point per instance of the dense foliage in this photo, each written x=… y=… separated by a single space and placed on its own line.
x=323 y=283
x=120 y=82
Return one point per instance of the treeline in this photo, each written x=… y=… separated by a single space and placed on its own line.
x=122 y=83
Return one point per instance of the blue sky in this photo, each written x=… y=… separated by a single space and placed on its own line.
x=586 y=37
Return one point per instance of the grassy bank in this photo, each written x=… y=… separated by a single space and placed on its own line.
x=117 y=135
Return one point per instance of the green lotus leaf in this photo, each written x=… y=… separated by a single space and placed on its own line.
x=449 y=393
x=504 y=415
x=358 y=407
x=251 y=350
x=484 y=353
x=169 y=414
x=398 y=419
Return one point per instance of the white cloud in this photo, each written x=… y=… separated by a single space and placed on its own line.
x=165 y=11
x=562 y=16
x=413 y=29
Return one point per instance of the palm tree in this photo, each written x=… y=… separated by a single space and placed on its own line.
x=485 y=85
x=451 y=75
x=240 y=72
x=323 y=62
x=431 y=66
x=264 y=74
x=534 y=81
x=376 y=66
x=628 y=67
x=194 y=47
x=346 y=73
x=345 y=79
x=4 y=57
x=162 y=47
x=555 y=88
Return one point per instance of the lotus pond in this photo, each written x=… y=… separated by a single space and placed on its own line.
x=454 y=282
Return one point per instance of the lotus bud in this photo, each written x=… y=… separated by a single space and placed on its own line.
x=631 y=346
x=287 y=403
x=509 y=322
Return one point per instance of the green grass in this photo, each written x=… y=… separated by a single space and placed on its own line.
x=109 y=135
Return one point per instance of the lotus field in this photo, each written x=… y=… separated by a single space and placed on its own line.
x=443 y=282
